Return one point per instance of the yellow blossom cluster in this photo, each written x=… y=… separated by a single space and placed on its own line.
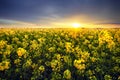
x=21 y=51
x=85 y=55
x=79 y=64
x=117 y=36
x=68 y=46
x=11 y=32
x=34 y=45
x=67 y=74
x=51 y=49
x=41 y=40
x=17 y=61
x=26 y=36
x=2 y=44
x=58 y=56
x=93 y=59
x=55 y=65
x=15 y=39
x=42 y=68
x=111 y=45
x=4 y=65
x=104 y=36
x=8 y=50
x=27 y=64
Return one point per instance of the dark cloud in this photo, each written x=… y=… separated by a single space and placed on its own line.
x=34 y=10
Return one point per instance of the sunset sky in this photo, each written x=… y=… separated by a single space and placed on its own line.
x=59 y=12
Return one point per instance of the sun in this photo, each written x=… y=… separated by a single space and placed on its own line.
x=76 y=25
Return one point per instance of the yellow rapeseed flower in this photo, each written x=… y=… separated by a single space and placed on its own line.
x=93 y=59
x=17 y=61
x=4 y=65
x=79 y=64
x=2 y=44
x=67 y=74
x=21 y=51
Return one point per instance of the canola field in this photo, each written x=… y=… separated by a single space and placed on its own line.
x=59 y=54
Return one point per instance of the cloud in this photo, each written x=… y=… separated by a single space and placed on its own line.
x=47 y=12
x=16 y=24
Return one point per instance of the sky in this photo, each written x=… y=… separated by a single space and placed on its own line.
x=59 y=12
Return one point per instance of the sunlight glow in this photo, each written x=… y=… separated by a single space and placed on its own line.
x=76 y=25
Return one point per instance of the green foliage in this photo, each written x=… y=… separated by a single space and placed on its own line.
x=58 y=54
